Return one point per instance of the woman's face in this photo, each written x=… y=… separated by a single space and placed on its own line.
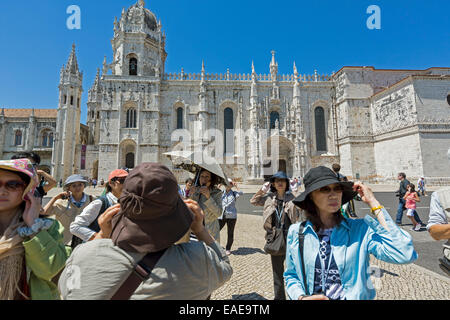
x=328 y=199
x=77 y=188
x=11 y=190
x=205 y=178
x=280 y=185
x=117 y=185
x=188 y=184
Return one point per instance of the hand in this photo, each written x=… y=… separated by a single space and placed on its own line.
x=314 y=297
x=63 y=195
x=193 y=190
x=366 y=194
x=105 y=222
x=32 y=208
x=205 y=192
x=197 y=225
x=266 y=187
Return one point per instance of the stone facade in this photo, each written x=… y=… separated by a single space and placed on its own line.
x=375 y=123
x=28 y=130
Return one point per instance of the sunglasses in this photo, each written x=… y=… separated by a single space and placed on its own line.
x=13 y=185
x=119 y=180
x=327 y=189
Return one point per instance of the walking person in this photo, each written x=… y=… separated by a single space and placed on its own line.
x=94 y=182
x=229 y=216
x=187 y=188
x=279 y=212
x=32 y=252
x=421 y=185
x=140 y=234
x=401 y=201
x=328 y=256
x=65 y=206
x=209 y=197
x=85 y=226
x=411 y=197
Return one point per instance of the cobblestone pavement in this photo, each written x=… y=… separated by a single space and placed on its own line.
x=252 y=272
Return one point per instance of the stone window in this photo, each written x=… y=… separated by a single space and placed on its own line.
x=448 y=99
x=131 y=118
x=133 y=67
x=180 y=118
x=18 y=138
x=274 y=116
x=228 y=125
x=319 y=120
x=71 y=100
x=65 y=99
x=47 y=138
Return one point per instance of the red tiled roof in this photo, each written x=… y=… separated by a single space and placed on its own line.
x=26 y=113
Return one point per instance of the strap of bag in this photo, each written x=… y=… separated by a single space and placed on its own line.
x=301 y=241
x=140 y=273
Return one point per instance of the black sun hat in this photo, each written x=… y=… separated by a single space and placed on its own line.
x=319 y=177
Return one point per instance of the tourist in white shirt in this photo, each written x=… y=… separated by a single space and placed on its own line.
x=85 y=225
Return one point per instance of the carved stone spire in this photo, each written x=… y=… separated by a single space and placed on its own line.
x=274 y=67
x=72 y=64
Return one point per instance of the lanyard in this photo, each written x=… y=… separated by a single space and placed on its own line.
x=322 y=263
x=279 y=214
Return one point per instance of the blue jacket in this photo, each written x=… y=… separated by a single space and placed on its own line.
x=351 y=243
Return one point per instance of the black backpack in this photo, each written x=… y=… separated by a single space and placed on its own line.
x=94 y=225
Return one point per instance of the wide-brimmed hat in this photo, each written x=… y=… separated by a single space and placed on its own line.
x=23 y=166
x=75 y=178
x=153 y=216
x=319 y=177
x=280 y=175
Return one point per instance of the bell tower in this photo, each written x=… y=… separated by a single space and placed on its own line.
x=138 y=44
x=68 y=119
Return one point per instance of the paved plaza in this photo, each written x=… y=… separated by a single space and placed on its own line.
x=252 y=272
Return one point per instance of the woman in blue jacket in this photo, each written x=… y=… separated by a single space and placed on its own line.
x=335 y=259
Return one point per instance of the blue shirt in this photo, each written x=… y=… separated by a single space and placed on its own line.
x=352 y=242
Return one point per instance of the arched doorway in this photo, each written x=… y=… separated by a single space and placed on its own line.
x=127 y=154
x=129 y=160
x=282 y=159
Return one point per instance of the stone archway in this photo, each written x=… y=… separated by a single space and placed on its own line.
x=282 y=160
x=127 y=152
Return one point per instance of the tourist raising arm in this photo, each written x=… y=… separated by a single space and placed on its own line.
x=334 y=245
x=32 y=251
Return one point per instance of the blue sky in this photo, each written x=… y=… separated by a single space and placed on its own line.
x=324 y=35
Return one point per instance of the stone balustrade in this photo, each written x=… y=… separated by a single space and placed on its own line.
x=244 y=77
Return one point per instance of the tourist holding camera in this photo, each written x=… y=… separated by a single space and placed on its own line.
x=31 y=249
x=209 y=197
x=279 y=213
x=68 y=204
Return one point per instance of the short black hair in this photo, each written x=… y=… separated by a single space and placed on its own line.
x=402 y=174
x=27 y=155
x=274 y=190
x=189 y=180
x=336 y=167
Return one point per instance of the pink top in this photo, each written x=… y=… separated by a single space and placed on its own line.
x=410 y=201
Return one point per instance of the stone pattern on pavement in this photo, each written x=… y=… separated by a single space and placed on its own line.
x=252 y=271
